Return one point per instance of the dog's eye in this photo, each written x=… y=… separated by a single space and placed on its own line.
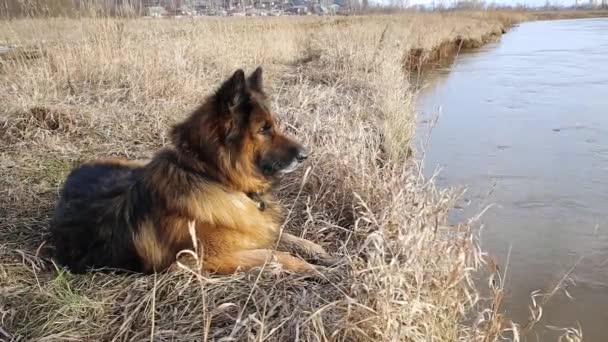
x=265 y=130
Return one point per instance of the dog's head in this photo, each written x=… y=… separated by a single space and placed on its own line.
x=236 y=133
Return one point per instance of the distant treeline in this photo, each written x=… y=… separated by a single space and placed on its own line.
x=90 y=8
x=54 y=8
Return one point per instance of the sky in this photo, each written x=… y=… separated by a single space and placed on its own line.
x=532 y=3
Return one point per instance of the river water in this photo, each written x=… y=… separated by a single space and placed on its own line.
x=523 y=124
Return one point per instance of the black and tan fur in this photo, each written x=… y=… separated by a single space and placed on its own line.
x=122 y=214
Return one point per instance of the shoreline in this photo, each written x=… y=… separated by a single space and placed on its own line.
x=106 y=88
x=498 y=74
x=420 y=59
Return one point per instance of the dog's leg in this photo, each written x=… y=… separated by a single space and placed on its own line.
x=306 y=249
x=248 y=259
x=127 y=163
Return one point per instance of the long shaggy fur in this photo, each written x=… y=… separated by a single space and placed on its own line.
x=130 y=215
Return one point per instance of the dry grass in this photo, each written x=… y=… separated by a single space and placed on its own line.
x=112 y=87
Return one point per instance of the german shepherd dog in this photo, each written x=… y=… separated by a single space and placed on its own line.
x=130 y=215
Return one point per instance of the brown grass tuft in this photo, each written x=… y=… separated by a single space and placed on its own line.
x=112 y=87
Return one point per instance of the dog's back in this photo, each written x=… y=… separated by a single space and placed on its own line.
x=120 y=214
x=93 y=221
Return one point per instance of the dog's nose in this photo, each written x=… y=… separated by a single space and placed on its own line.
x=302 y=155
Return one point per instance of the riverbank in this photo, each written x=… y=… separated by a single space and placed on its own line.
x=508 y=96
x=428 y=57
x=113 y=87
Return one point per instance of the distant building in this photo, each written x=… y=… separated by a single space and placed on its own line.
x=266 y=4
x=155 y=11
x=242 y=7
x=298 y=10
x=468 y=4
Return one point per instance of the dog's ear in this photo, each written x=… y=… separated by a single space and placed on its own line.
x=254 y=81
x=232 y=92
x=232 y=104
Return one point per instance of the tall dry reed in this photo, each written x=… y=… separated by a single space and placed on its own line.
x=105 y=87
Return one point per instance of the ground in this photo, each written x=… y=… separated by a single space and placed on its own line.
x=112 y=87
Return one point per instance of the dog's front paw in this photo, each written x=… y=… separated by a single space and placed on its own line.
x=323 y=275
x=326 y=259
x=328 y=275
x=319 y=256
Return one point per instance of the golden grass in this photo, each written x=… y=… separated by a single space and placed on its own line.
x=112 y=87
